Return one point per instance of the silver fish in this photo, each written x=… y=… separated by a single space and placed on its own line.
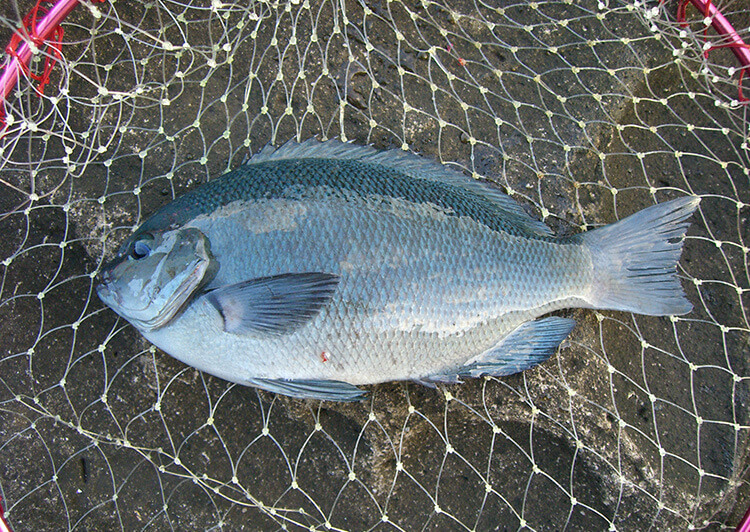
x=320 y=266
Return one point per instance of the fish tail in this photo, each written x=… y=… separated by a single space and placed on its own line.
x=635 y=260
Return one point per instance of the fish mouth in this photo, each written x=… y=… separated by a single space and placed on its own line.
x=110 y=296
x=103 y=290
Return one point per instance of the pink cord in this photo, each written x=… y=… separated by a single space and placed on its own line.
x=38 y=35
x=3 y=524
x=744 y=525
x=724 y=28
x=23 y=55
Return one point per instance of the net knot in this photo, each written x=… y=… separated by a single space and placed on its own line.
x=726 y=31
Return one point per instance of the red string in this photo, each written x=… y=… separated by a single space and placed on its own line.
x=49 y=39
x=53 y=44
x=741 y=97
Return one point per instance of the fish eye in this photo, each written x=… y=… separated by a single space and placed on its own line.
x=141 y=248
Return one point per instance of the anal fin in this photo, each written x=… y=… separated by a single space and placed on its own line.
x=311 y=389
x=528 y=345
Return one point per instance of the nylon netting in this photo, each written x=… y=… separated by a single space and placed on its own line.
x=583 y=111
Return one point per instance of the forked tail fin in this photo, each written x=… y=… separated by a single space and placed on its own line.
x=635 y=260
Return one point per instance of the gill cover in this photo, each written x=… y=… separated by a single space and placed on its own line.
x=150 y=283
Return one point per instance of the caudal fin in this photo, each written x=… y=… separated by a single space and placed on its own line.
x=635 y=260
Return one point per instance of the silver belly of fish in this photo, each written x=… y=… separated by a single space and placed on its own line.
x=319 y=286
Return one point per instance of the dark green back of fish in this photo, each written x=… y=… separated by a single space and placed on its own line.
x=271 y=179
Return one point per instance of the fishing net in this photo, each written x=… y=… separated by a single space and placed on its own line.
x=584 y=112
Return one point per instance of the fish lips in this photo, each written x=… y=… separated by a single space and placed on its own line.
x=104 y=293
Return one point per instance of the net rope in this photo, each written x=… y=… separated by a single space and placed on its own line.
x=584 y=112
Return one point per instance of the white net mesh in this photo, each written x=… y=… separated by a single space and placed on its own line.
x=585 y=112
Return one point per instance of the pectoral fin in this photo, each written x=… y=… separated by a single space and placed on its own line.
x=311 y=389
x=273 y=305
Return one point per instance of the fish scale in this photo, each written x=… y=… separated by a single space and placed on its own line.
x=396 y=296
x=322 y=266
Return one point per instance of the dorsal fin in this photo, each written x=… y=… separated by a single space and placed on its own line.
x=407 y=163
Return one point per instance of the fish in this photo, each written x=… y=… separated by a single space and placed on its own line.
x=322 y=266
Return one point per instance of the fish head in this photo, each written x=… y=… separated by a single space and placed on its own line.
x=154 y=275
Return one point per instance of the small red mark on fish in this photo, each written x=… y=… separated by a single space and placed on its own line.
x=323 y=356
x=449 y=47
x=462 y=61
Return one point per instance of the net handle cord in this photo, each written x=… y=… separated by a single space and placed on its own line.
x=725 y=29
x=33 y=35
x=744 y=525
x=3 y=523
